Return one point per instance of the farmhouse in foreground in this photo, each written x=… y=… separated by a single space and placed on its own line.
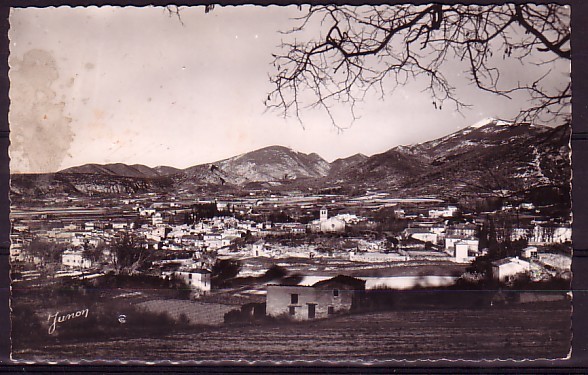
x=321 y=300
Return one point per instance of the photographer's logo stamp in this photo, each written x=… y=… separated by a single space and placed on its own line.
x=56 y=318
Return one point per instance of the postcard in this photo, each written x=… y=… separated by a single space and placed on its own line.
x=290 y=184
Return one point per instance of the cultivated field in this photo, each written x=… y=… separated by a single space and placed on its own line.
x=530 y=331
x=197 y=313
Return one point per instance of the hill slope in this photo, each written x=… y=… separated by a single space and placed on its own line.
x=274 y=163
x=486 y=158
x=491 y=157
x=121 y=170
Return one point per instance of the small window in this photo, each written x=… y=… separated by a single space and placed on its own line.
x=190 y=276
x=292 y=310
x=293 y=298
x=331 y=310
x=335 y=292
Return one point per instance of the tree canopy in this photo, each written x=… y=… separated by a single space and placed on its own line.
x=378 y=48
x=129 y=254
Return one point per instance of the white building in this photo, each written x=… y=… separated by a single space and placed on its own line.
x=326 y=224
x=450 y=211
x=463 y=250
x=324 y=214
x=75 y=259
x=349 y=218
x=258 y=249
x=157 y=219
x=197 y=279
x=473 y=244
x=461 y=253
x=550 y=234
x=530 y=252
x=509 y=268
x=119 y=225
x=421 y=234
x=146 y=211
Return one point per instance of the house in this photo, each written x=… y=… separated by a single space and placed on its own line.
x=321 y=300
x=119 y=225
x=294 y=228
x=75 y=259
x=421 y=234
x=157 y=234
x=197 y=279
x=463 y=250
x=508 y=269
x=530 y=252
x=462 y=230
x=438 y=228
x=146 y=211
x=258 y=249
x=157 y=219
x=447 y=212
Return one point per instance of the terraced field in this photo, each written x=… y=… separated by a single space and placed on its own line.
x=530 y=331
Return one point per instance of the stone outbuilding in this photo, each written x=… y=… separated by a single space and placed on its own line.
x=325 y=298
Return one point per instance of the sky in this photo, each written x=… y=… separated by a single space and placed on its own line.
x=137 y=86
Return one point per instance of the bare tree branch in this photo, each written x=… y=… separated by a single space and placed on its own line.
x=379 y=48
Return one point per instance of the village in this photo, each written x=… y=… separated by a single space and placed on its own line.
x=327 y=248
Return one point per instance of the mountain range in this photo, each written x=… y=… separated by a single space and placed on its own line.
x=490 y=156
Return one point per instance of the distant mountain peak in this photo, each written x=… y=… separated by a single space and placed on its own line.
x=491 y=121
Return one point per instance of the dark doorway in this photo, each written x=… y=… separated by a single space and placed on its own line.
x=311 y=310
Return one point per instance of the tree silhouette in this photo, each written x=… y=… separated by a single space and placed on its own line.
x=94 y=253
x=377 y=48
x=47 y=252
x=129 y=254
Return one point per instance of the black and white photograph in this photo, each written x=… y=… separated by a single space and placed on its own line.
x=290 y=184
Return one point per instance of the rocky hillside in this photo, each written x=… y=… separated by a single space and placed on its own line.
x=274 y=163
x=341 y=165
x=122 y=170
x=491 y=157
x=82 y=184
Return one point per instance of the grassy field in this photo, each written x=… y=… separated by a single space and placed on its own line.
x=530 y=331
x=334 y=267
x=197 y=313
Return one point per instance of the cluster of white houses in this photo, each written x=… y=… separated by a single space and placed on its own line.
x=207 y=234
x=460 y=240
x=457 y=239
